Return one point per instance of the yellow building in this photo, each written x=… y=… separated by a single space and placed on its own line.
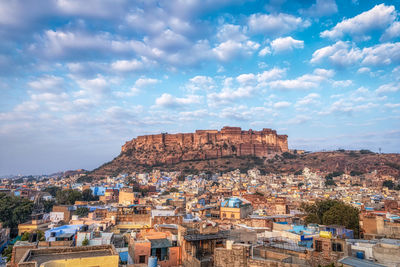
x=101 y=256
x=33 y=225
x=127 y=196
x=235 y=208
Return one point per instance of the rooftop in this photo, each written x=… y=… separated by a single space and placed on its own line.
x=44 y=255
x=352 y=261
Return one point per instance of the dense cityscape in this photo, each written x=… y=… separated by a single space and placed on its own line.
x=199 y=133
x=306 y=217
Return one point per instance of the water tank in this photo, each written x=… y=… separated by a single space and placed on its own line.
x=152 y=262
x=325 y=234
x=360 y=254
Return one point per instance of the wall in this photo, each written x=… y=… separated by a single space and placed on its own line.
x=140 y=249
x=387 y=254
x=239 y=256
x=105 y=261
x=126 y=198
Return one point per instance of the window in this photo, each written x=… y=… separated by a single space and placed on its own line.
x=232 y=215
x=318 y=246
x=142 y=259
x=337 y=247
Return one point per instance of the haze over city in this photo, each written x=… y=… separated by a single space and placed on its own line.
x=77 y=81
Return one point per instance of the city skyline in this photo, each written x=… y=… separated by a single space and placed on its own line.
x=76 y=82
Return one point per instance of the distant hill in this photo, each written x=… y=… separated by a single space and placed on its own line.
x=231 y=148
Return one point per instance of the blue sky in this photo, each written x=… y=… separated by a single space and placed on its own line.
x=78 y=80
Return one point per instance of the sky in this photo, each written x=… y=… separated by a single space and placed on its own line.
x=80 y=78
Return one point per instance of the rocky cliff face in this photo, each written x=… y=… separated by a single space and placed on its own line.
x=204 y=144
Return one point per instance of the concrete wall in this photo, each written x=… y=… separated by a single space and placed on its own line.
x=387 y=254
x=239 y=256
x=105 y=261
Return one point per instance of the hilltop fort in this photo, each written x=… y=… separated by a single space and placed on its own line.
x=204 y=144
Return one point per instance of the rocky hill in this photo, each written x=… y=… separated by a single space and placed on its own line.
x=232 y=148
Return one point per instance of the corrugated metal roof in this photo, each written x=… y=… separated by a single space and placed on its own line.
x=352 y=261
x=160 y=243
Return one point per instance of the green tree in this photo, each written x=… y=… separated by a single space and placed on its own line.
x=48 y=205
x=343 y=214
x=68 y=197
x=174 y=190
x=25 y=236
x=87 y=195
x=388 y=183
x=52 y=190
x=8 y=252
x=332 y=212
x=40 y=235
x=329 y=182
x=85 y=242
x=14 y=210
x=82 y=211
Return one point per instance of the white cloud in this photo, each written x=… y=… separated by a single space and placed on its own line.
x=378 y=18
x=321 y=8
x=131 y=92
x=49 y=97
x=94 y=89
x=304 y=82
x=299 y=119
x=286 y=44
x=392 y=105
x=392 y=32
x=310 y=99
x=339 y=53
x=231 y=49
x=194 y=115
x=143 y=82
x=47 y=83
x=200 y=83
x=275 y=24
x=282 y=104
x=170 y=101
x=382 y=54
x=344 y=83
x=92 y=8
x=227 y=95
x=388 y=88
x=345 y=54
x=246 y=79
x=265 y=51
x=64 y=44
x=348 y=107
x=127 y=65
x=231 y=32
x=364 y=70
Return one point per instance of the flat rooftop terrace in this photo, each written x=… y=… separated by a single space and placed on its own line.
x=44 y=255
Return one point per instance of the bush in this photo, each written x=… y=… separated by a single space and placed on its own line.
x=366 y=151
x=85 y=242
x=288 y=155
x=82 y=211
x=388 y=183
x=329 y=182
x=393 y=165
